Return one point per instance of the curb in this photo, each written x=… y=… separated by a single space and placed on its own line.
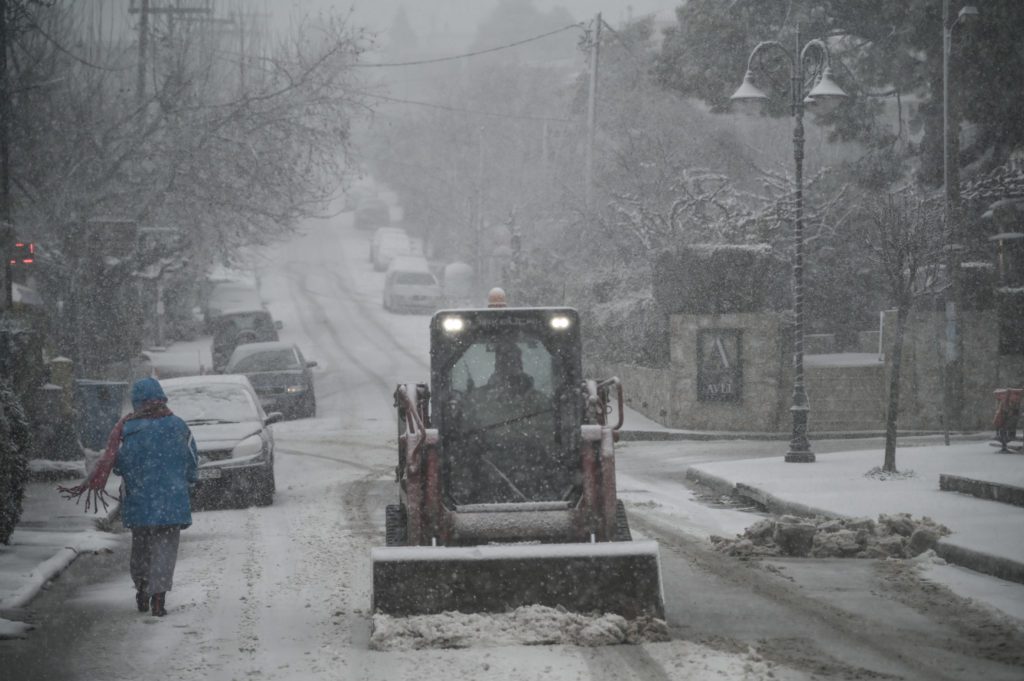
x=705 y=435
x=996 y=566
x=982 y=489
x=54 y=565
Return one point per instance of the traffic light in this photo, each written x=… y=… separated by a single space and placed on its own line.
x=24 y=253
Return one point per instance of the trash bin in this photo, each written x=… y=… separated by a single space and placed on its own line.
x=98 y=406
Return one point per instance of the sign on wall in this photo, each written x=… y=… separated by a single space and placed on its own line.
x=719 y=365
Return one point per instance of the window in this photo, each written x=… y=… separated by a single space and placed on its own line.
x=267 y=360
x=196 y=403
x=415 y=279
x=482 y=363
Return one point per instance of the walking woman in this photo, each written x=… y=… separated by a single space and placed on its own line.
x=154 y=453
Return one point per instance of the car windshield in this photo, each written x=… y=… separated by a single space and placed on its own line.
x=394 y=240
x=258 y=323
x=266 y=360
x=415 y=278
x=212 y=403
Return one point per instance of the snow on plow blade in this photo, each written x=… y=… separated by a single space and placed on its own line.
x=614 y=577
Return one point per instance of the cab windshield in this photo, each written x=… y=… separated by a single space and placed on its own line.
x=503 y=431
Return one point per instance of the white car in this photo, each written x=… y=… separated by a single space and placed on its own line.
x=387 y=245
x=233 y=436
x=410 y=285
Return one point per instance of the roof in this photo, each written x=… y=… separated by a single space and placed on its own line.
x=241 y=309
x=247 y=349
x=409 y=263
x=208 y=379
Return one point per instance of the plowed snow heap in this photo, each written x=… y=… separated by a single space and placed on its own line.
x=506 y=478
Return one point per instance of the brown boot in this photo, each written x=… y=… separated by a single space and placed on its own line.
x=142 y=600
x=157 y=604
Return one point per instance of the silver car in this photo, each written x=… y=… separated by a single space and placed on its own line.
x=233 y=436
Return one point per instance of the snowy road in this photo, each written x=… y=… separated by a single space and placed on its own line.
x=283 y=592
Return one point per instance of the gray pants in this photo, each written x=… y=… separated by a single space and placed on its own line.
x=154 y=553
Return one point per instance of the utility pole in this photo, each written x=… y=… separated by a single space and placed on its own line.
x=595 y=51
x=6 y=227
x=478 y=222
x=145 y=10
x=953 y=366
x=140 y=75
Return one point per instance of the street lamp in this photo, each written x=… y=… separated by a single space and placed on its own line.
x=953 y=379
x=819 y=89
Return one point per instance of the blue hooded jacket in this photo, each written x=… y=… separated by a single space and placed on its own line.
x=157 y=460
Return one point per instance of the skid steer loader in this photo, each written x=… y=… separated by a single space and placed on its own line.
x=506 y=478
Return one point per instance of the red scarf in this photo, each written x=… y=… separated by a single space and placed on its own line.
x=94 y=487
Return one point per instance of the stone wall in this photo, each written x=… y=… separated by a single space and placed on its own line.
x=921 y=389
x=845 y=398
x=670 y=395
x=847 y=393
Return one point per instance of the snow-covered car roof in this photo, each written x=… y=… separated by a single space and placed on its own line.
x=208 y=379
x=409 y=263
x=247 y=349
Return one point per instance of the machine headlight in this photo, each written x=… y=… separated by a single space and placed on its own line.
x=453 y=324
x=292 y=389
x=250 y=446
x=560 y=323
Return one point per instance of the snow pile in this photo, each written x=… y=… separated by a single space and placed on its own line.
x=45 y=469
x=878 y=473
x=527 y=625
x=896 y=535
x=9 y=629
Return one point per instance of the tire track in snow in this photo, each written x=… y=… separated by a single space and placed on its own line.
x=852 y=633
x=339 y=344
x=341 y=356
x=335 y=459
x=345 y=285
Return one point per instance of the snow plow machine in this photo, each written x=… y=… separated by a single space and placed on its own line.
x=506 y=478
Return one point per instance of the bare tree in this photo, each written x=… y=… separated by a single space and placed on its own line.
x=903 y=235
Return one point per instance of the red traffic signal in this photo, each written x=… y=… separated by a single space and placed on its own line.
x=24 y=253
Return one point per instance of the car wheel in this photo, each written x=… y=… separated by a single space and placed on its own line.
x=310 y=407
x=264 y=487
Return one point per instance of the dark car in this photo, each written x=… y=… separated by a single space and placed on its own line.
x=279 y=374
x=237 y=327
x=235 y=442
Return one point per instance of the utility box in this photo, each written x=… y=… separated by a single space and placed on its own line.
x=99 y=407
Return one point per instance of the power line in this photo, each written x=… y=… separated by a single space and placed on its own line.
x=492 y=114
x=471 y=54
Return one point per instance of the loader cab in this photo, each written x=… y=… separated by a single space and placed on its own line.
x=505 y=390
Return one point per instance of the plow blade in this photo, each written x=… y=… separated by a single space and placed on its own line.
x=614 y=577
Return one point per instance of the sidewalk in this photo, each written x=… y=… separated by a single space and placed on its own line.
x=52 y=532
x=987 y=536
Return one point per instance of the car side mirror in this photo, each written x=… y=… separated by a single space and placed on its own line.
x=278 y=325
x=273 y=417
x=311 y=363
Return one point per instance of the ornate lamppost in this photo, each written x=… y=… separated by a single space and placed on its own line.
x=816 y=87
x=953 y=370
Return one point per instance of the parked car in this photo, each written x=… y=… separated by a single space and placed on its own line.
x=280 y=375
x=410 y=285
x=233 y=436
x=229 y=295
x=238 y=327
x=380 y=234
x=371 y=214
x=459 y=285
x=389 y=247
